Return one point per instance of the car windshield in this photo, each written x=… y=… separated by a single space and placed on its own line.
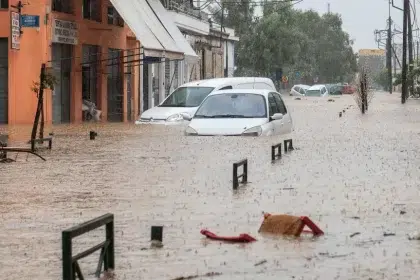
x=187 y=97
x=336 y=90
x=313 y=92
x=233 y=105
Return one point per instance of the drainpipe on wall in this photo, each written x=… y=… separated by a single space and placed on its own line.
x=227 y=58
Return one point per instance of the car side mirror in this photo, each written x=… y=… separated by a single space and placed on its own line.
x=276 y=116
x=186 y=117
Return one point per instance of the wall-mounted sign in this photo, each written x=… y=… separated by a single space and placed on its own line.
x=29 y=21
x=15 y=25
x=64 y=32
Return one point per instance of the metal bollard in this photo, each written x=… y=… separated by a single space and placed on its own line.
x=275 y=155
x=156 y=233
x=244 y=175
x=92 y=135
x=288 y=145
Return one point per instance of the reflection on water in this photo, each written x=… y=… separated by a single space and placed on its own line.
x=354 y=166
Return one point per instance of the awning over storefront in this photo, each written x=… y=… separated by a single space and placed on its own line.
x=173 y=30
x=148 y=29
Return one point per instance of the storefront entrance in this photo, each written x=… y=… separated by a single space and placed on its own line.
x=61 y=63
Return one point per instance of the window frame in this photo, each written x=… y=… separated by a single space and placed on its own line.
x=270 y=113
x=113 y=17
x=92 y=10
x=302 y=91
x=281 y=105
x=4 y=4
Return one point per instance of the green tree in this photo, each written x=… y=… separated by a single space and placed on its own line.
x=291 y=39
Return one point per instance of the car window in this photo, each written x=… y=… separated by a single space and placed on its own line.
x=227 y=87
x=280 y=104
x=297 y=88
x=272 y=105
x=233 y=105
x=187 y=97
x=302 y=91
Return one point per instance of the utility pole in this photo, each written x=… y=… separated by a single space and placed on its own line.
x=329 y=8
x=410 y=52
x=394 y=60
x=404 y=58
x=389 y=51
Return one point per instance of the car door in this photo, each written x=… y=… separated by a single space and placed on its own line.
x=286 y=125
x=274 y=109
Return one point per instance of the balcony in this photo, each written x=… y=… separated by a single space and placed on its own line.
x=186 y=17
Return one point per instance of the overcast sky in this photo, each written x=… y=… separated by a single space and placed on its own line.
x=360 y=17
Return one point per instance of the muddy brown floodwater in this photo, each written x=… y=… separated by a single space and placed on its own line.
x=350 y=174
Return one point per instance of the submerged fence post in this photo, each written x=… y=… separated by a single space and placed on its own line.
x=110 y=254
x=71 y=266
x=156 y=233
x=68 y=272
x=244 y=174
x=288 y=145
x=274 y=155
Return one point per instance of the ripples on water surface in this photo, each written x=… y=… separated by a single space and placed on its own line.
x=344 y=167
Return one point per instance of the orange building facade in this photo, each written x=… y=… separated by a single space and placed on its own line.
x=84 y=44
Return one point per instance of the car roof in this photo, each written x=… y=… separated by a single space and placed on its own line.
x=317 y=87
x=263 y=92
x=225 y=81
x=302 y=86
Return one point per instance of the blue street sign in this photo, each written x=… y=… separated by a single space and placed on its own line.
x=29 y=21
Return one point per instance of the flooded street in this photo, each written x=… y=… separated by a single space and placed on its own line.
x=350 y=174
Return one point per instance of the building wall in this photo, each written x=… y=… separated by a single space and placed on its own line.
x=35 y=49
x=211 y=50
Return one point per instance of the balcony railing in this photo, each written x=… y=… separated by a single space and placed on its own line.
x=185 y=7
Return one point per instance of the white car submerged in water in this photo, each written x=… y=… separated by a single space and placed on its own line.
x=317 y=90
x=182 y=103
x=241 y=112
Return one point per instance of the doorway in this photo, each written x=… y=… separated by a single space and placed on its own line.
x=115 y=86
x=61 y=63
x=4 y=80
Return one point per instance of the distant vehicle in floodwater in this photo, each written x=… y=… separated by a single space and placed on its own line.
x=299 y=90
x=317 y=90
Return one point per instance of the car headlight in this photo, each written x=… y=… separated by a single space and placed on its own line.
x=175 y=118
x=190 y=131
x=253 y=131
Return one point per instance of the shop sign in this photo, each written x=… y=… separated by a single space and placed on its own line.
x=15 y=25
x=64 y=32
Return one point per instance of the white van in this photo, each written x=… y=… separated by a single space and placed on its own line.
x=183 y=102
